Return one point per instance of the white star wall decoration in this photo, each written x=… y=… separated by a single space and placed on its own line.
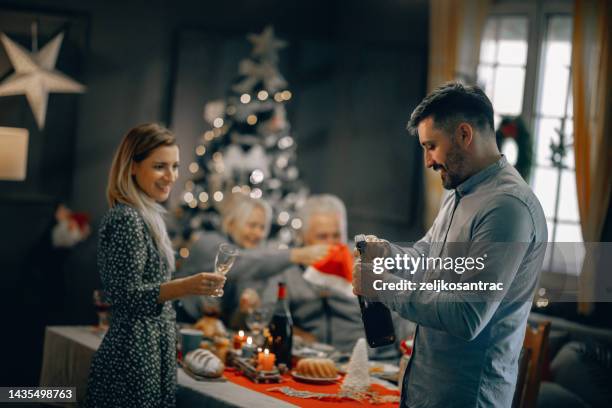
x=35 y=75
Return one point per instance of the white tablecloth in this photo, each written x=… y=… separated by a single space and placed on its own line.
x=68 y=351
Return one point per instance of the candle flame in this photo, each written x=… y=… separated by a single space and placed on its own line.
x=241 y=333
x=249 y=340
x=266 y=352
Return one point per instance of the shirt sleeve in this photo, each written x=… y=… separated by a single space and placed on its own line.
x=251 y=264
x=260 y=264
x=504 y=233
x=421 y=247
x=123 y=257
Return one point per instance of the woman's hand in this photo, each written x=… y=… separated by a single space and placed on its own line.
x=204 y=284
x=309 y=254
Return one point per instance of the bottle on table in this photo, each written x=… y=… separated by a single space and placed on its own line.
x=281 y=328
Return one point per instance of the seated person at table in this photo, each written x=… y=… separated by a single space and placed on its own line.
x=246 y=224
x=322 y=304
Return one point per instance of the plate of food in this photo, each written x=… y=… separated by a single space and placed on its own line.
x=316 y=371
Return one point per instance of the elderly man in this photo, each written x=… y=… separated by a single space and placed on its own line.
x=467 y=343
x=322 y=312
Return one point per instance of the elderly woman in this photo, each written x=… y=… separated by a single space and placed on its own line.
x=246 y=224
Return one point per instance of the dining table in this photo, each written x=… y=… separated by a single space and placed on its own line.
x=68 y=352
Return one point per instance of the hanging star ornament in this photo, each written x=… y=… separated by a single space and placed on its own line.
x=35 y=75
x=265 y=45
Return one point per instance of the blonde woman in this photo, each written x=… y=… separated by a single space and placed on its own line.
x=135 y=365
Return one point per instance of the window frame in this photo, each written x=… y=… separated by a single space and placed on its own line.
x=537 y=13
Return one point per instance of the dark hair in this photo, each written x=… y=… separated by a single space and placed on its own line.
x=452 y=103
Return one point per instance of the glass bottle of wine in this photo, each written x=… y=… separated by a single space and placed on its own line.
x=281 y=328
x=376 y=317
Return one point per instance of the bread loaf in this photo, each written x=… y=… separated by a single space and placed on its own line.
x=203 y=362
x=317 y=368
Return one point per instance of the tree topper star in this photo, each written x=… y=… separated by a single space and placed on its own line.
x=265 y=45
x=35 y=75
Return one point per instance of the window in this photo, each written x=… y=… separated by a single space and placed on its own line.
x=525 y=68
x=503 y=62
x=555 y=176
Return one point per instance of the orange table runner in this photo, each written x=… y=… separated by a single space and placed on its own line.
x=237 y=378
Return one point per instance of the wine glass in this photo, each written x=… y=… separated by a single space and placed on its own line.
x=226 y=255
x=257 y=320
x=102 y=305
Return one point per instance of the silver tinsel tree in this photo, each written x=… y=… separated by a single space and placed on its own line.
x=248 y=149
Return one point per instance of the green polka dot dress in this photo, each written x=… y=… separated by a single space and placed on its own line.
x=135 y=365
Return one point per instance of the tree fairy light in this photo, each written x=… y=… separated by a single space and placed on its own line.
x=193 y=167
x=262 y=95
x=257 y=176
x=296 y=223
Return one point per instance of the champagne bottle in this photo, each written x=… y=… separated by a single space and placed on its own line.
x=281 y=328
x=376 y=318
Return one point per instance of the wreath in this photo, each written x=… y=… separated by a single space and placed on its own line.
x=513 y=128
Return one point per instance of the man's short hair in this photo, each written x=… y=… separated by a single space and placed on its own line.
x=451 y=104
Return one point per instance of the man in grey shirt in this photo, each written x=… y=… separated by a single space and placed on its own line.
x=467 y=344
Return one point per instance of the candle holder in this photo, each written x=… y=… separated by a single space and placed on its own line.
x=247 y=367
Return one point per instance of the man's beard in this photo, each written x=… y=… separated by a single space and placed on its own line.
x=452 y=172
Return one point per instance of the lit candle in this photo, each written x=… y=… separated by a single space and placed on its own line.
x=248 y=350
x=238 y=340
x=266 y=360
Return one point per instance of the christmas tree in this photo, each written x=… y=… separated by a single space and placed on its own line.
x=247 y=150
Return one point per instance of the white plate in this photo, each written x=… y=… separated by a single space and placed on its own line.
x=314 y=380
x=376 y=368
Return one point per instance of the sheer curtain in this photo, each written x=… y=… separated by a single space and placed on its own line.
x=455 y=31
x=592 y=129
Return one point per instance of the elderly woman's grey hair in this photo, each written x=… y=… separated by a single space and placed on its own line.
x=323 y=204
x=240 y=208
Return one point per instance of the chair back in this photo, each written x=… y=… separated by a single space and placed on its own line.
x=523 y=368
x=531 y=364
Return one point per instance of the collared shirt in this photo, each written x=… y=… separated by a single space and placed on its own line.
x=466 y=352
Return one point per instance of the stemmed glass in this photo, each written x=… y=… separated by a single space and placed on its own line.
x=226 y=255
x=102 y=305
x=257 y=320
